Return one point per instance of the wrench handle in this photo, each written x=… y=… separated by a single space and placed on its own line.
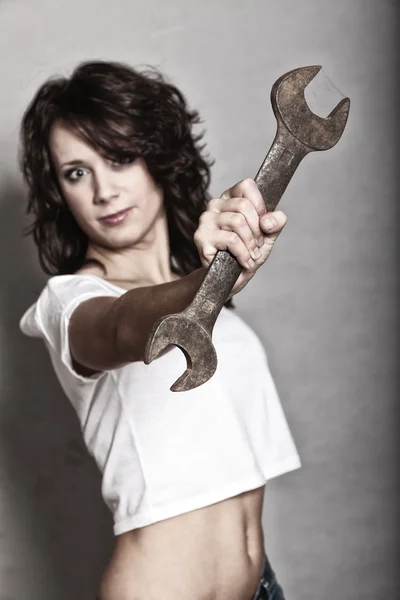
x=279 y=166
x=215 y=289
x=272 y=179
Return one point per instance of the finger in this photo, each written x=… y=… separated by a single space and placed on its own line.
x=242 y=206
x=247 y=188
x=230 y=221
x=272 y=223
x=237 y=222
x=225 y=240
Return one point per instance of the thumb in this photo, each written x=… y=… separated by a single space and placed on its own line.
x=272 y=223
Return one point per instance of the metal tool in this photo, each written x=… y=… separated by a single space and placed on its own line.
x=299 y=132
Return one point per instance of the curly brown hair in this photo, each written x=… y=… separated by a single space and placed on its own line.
x=122 y=113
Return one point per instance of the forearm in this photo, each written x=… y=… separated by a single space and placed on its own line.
x=136 y=311
x=106 y=333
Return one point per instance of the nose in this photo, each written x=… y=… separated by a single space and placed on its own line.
x=105 y=189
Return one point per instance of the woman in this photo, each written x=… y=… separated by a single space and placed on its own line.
x=126 y=229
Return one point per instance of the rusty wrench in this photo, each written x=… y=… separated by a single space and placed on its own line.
x=299 y=132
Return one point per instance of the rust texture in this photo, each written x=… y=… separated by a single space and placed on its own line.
x=299 y=132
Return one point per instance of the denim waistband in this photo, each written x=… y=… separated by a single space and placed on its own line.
x=268 y=587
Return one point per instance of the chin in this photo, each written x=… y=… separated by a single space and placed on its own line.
x=118 y=241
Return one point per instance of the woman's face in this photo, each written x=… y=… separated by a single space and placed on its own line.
x=115 y=204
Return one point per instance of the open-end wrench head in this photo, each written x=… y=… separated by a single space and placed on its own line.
x=291 y=108
x=195 y=343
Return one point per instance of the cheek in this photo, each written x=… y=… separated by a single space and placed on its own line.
x=75 y=200
x=81 y=216
x=77 y=212
x=156 y=194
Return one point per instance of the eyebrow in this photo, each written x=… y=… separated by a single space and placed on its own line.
x=72 y=162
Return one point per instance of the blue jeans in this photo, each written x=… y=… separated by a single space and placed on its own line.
x=268 y=588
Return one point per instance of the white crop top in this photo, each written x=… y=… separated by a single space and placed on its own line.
x=164 y=453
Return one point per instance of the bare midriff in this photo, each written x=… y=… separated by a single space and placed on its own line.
x=212 y=553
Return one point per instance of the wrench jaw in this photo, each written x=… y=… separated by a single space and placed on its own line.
x=195 y=343
x=294 y=82
x=193 y=377
x=292 y=111
x=287 y=93
x=338 y=117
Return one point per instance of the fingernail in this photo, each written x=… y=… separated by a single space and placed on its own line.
x=256 y=253
x=251 y=263
x=261 y=241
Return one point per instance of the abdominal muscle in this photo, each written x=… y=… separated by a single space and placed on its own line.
x=213 y=553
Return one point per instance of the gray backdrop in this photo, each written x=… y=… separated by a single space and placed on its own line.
x=325 y=305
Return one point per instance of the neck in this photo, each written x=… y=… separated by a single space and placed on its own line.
x=146 y=262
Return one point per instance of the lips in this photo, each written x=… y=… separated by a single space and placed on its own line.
x=115 y=218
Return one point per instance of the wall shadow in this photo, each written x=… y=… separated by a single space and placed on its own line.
x=47 y=472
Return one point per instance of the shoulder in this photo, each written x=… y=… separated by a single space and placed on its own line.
x=66 y=287
x=59 y=297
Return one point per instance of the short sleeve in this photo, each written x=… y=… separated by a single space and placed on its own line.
x=49 y=317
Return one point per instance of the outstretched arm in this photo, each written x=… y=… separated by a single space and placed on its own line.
x=106 y=333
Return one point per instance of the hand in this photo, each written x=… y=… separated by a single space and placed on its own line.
x=238 y=221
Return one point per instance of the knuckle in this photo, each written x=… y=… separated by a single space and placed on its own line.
x=253 y=195
x=208 y=251
x=226 y=194
x=250 y=241
x=197 y=237
x=238 y=220
x=233 y=238
x=212 y=204
x=248 y=183
x=244 y=205
x=203 y=218
x=243 y=202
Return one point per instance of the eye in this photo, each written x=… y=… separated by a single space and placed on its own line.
x=124 y=161
x=75 y=174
